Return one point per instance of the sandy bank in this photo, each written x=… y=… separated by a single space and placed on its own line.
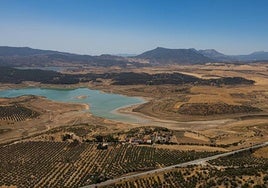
x=143 y=119
x=81 y=97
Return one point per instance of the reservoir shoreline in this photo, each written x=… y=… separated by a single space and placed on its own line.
x=109 y=105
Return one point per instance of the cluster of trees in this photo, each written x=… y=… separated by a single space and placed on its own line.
x=129 y=78
x=11 y=75
x=206 y=109
x=16 y=76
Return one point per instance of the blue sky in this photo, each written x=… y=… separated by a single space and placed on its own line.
x=133 y=26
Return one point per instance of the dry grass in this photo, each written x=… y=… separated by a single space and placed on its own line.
x=191 y=147
x=261 y=153
x=196 y=136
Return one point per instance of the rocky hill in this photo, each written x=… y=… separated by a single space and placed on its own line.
x=215 y=55
x=174 y=56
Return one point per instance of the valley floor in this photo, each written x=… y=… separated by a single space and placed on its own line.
x=229 y=118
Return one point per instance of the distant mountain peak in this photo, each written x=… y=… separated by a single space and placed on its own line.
x=157 y=48
x=214 y=54
x=193 y=49
x=210 y=51
x=258 y=53
x=255 y=56
x=162 y=55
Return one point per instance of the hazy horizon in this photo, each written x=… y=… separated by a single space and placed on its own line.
x=132 y=27
x=128 y=54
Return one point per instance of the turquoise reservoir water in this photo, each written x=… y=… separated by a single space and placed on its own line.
x=101 y=104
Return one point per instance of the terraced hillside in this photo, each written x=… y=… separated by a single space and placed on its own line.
x=65 y=164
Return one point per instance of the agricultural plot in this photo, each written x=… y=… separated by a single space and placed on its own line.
x=65 y=164
x=16 y=113
x=206 y=109
x=243 y=163
x=239 y=170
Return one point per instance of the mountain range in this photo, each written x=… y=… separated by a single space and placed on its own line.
x=25 y=56
x=255 y=56
x=193 y=56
